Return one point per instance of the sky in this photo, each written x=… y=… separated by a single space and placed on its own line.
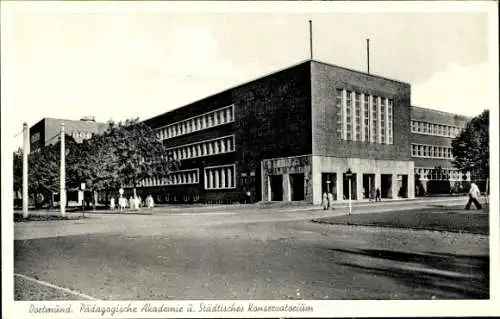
x=115 y=63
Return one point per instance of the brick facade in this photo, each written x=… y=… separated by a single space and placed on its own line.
x=325 y=80
x=286 y=118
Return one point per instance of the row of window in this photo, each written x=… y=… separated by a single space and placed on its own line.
x=431 y=151
x=204 y=148
x=216 y=177
x=443 y=174
x=428 y=128
x=184 y=177
x=364 y=117
x=220 y=177
x=201 y=122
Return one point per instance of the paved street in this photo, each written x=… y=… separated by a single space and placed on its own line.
x=246 y=252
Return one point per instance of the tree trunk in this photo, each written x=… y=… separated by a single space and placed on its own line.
x=51 y=200
x=107 y=196
x=94 y=199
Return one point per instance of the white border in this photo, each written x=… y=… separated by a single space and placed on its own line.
x=322 y=308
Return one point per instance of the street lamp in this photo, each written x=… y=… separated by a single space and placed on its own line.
x=82 y=186
x=348 y=174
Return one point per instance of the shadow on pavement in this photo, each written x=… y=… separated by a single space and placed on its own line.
x=441 y=274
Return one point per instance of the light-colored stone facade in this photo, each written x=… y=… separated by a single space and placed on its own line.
x=313 y=166
x=359 y=166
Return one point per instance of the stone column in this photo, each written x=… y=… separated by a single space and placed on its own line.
x=340 y=186
x=378 y=181
x=395 y=186
x=316 y=180
x=287 y=193
x=359 y=185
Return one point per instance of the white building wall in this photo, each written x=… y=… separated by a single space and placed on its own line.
x=324 y=164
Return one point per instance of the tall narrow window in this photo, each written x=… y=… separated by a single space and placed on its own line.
x=348 y=116
x=357 y=115
x=339 y=123
x=220 y=177
x=382 y=120
x=390 y=135
x=374 y=137
x=367 y=117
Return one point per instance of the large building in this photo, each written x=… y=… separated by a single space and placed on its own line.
x=47 y=130
x=431 y=135
x=293 y=135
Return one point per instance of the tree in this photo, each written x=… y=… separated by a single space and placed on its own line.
x=471 y=149
x=44 y=168
x=17 y=157
x=124 y=155
x=139 y=154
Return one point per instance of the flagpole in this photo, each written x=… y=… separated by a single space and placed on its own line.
x=368 y=54
x=310 y=39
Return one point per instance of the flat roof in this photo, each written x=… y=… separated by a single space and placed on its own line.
x=360 y=72
x=230 y=88
x=269 y=74
x=425 y=109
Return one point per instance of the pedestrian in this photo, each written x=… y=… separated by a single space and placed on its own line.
x=131 y=203
x=137 y=203
x=377 y=195
x=112 y=203
x=122 y=203
x=325 y=201
x=330 y=200
x=474 y=194
x=150 y=202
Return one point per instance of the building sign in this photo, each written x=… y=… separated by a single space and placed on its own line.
x=35 y=137
x=286 y=165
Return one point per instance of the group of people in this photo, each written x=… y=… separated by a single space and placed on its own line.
x=327 y=200
x=133 y=203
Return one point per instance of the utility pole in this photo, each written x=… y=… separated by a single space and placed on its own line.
x=26 y=150
x=310 y=39
x=62 y=182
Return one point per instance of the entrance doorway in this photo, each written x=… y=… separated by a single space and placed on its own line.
x=276 y=187
x=346 y=187
x=297 y=187
x=402 y=186
x=329 y=184
x=369 y=186
x=386 y=186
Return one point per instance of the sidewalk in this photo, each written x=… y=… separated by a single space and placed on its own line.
x=386 y=204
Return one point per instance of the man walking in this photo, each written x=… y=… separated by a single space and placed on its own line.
x=377 y=195
x=325 y=201
x=474 y=194
x=330 y=200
